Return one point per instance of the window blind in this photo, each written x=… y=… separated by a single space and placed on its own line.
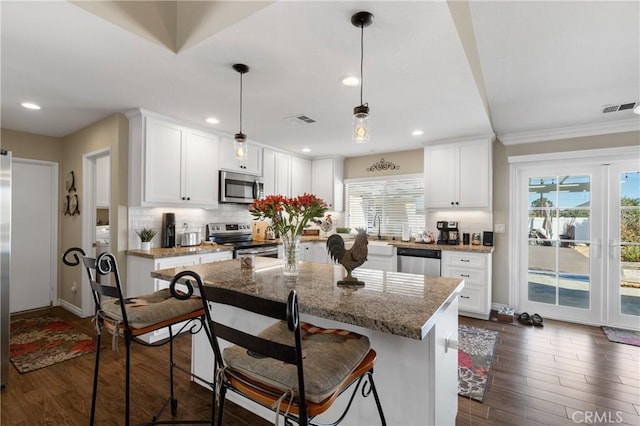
x=397 y=201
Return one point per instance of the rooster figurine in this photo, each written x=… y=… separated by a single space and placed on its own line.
x=349 y=258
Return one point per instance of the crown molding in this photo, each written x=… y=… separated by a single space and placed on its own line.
x=619 y=126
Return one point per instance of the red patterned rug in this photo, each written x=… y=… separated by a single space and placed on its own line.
x=619 y=335
x=43 y=341
x=476 y=348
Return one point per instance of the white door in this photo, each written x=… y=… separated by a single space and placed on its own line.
x=34 y=235
x=624 y=245
x=578 y=253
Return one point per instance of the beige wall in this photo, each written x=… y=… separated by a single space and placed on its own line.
x=68 y=152
x=501 y=191
x=111 y=132
x=408 y=161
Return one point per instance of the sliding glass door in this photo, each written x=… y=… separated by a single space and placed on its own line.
x=577 y=241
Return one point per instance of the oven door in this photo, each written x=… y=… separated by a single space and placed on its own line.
x=264 y=251
x=239 y=188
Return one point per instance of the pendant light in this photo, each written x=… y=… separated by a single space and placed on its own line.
x=361 y=133
x=240 y=140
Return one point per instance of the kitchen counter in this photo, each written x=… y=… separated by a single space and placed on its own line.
x=159 y=253
x=401 y=304
x=410 y=320
x=412 y=244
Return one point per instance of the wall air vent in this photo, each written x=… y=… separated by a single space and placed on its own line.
x=300 y=119
x=619 y=107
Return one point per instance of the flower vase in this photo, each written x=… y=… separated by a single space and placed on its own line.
x=291 y=245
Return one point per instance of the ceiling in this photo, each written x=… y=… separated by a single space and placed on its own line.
x=526 y=71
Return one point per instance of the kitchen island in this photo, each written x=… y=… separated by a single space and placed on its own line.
x=411 y=321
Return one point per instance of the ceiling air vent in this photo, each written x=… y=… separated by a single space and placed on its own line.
x=620 y=107
x=300 y=119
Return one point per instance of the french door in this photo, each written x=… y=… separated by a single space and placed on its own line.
x=578 y=240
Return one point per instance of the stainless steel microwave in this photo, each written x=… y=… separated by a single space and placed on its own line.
x=239 y=188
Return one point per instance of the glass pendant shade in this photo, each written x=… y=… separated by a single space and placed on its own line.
x=361 y=132
x=240 y=146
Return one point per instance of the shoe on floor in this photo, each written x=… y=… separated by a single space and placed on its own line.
x=537 y=320
x=525 y=319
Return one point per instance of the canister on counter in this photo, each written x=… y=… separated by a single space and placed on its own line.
x=465 y=238
x=475 y=239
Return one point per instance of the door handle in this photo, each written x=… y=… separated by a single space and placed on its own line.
x=614 y=249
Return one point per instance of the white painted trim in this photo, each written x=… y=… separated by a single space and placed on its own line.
x=54 y=219
x=604 y=154
x=69 y=307
x=381 y=178
x=88 y=214
x=619 y=126
x=490 y=136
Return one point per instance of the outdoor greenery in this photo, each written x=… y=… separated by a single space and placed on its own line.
x=630 y=229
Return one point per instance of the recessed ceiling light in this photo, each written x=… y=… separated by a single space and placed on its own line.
x=30 y=105
x=306 y=149
x=349 y=80
x=212 y=120
x=417 y=133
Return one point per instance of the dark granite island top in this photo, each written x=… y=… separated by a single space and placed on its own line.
x=391 y=302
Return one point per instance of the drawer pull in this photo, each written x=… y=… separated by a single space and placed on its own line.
x=464 y=297
x=465 y=275
x=465 y=260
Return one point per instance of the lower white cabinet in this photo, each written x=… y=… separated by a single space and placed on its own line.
x=475 y=270
x=139 y=279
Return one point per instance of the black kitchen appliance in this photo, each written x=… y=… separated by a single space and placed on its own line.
x=238 y=236
x=448 y=232
x=487 y=238
x=168 y=230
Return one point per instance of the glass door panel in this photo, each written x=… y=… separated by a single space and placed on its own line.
x=624 y=246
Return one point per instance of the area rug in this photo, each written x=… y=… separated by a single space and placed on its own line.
x=43 y=341
x=476 y=349
x=619 y=335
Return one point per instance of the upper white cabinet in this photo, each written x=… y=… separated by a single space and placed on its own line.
x=458 y=175
x=327 y=181
x=300 y=176
x=276 y=172
x=171 y=164
x=252 y=165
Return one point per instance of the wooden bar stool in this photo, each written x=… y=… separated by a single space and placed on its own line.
x=132 y=317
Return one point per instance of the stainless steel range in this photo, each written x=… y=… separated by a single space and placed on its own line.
x=238 y=235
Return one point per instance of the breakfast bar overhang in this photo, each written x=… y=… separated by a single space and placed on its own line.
x=411 y=321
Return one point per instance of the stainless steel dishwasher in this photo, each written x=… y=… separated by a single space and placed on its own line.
x=419 y=261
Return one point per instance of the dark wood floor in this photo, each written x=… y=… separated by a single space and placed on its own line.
x=562 y=374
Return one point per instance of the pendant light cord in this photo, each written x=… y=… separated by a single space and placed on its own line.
x=240 y=102
x=361 y=60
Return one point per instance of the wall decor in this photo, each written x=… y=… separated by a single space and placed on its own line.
x=382 y=165
x=70 y=182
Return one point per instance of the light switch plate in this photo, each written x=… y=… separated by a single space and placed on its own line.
x=499 y=228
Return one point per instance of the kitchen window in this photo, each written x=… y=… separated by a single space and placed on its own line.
x=396 y=200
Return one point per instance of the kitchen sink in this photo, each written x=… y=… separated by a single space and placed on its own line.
x=376 y=247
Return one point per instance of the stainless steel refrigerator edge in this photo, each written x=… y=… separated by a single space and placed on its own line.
x=5 y=262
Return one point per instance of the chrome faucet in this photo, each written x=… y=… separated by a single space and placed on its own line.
x=377 y=216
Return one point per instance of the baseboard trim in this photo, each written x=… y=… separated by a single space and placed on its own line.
x=71 y=308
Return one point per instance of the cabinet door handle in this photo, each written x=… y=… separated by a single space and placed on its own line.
x=183 y=198
x=452 y=203
x=457 y=203
x=464 y=297
x=188 y=198
x=464 y=275
x=465 y=260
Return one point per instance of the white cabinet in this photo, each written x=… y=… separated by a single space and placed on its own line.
x=171 y=164
x=251 y=165
x=300 y=176
x=139 y=279
x=103 y=182
x=327 y=181
x=458 y=175
x=276 y=172
x=475 y=270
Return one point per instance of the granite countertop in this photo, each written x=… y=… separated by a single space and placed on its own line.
x=158 y=253
x=412 y=244
x=402 y=304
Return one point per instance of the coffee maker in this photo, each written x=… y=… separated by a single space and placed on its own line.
x=448 y=232
x=168 y=230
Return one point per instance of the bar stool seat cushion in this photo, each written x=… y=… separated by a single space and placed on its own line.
x=144 y=311
x=329 y=357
